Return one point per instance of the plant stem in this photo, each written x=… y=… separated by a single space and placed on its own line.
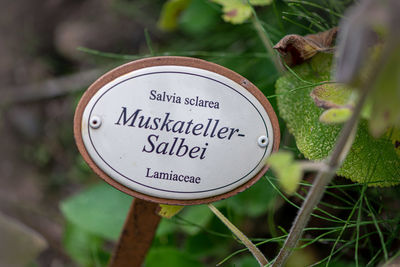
x=385 y=253
x=149 y=43
x=307 y=165
x=267 y=42
x=246 y=241
x=323 y=177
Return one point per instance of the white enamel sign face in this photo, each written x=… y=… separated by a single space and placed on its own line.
x=177 y=132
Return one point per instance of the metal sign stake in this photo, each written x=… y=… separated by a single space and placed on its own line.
x=137 y=235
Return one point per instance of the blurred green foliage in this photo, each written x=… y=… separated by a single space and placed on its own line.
x=97 y=214
x=194 y=237
x=99 y=210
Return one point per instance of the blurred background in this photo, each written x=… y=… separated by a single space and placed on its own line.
x=53 y=210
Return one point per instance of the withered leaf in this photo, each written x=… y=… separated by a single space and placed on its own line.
x=295 y=49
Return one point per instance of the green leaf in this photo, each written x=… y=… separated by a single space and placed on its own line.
x=100 y=210
x=260 y=2
x=200 y=215
x=199 y=245
x=170 y=257
x=288 y=171
x=166 y=227
x=200 y=17
x=254 y=201
x=332 y=96
x=170 y=12
x=335 y=115
x=370 y=160
x=238 y=11
x=167 y=211
x=235 y=11
x=302 y=257
x=84 y=247
x=394 y=135
x=195 y=218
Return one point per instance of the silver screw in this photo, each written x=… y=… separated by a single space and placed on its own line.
x=262 y=141
x=95 y=122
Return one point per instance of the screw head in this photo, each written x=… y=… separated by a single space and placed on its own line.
x=263 y=141
x=95 y=122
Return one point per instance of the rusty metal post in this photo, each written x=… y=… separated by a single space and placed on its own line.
x=137 y=234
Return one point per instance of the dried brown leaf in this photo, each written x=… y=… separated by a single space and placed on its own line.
x=295 y=49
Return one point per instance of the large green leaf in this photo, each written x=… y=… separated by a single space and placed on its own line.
x=370 y=160
x=254 y=201
x=166 y=227
x=100 y=210
x=169 y=257
x=84 y=247
x=199 y=245
x=200 y=17
x=199 y=215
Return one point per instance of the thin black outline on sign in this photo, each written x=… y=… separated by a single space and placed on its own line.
x=170 y=191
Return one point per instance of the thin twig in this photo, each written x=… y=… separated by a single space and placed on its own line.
x=267 y=42
x=358 y=226
x=48 y=89
x=149 y=43
x=307 y=165
x=221 y=54
x=246 y=241
x=385 y=253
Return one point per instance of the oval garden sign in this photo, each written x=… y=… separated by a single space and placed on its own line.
x=176 y=130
